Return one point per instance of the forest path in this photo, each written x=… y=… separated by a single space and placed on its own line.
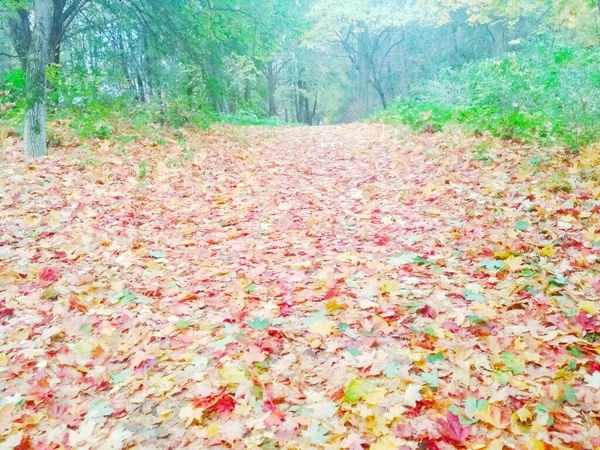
x=270 y=287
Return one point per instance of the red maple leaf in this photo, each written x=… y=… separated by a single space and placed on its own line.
x=588 y=323
x=427 y=311
x=382 y=240
x=49 y=274
x=25 y=444
x=6 y=312
x=452 y=430
x=224 y=406
x=331 y=293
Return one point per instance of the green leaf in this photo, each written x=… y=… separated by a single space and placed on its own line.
x=403 y=259
x=536 y=161
x=98 y=410
x=354 y=352
x=157 y=254
x=423 y=261
x=493 y=264
x=476 y=320
x=317 y=435
x=559 y=281
x=392 y=370
x=431 y=379
x=428 y=329
x=258 y=324
x=474 y=296
x=86 y=328
x=317 y=317
x=521 y=225
x=511 y=364
x=569 y=395
x=408 y=258
x=121 y=377
x=125 y=297
x=472 y=404
x=575 y=352
x=436 y=357
x=183 y=324
x=357 y=389
x=501 y=377
x=251 y=289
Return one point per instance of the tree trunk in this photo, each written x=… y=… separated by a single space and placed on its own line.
x=363 y=73
x=498 y=32
x=404 y=76
x=18 y=29
x=247 y=92
x=39 y=53
x=271 y=86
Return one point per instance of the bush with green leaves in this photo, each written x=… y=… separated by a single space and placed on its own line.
x=544 y=93
x=94 y=109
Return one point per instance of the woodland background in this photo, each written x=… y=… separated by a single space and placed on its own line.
x=517 y=69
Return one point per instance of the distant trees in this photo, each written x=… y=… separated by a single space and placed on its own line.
x=313 y=61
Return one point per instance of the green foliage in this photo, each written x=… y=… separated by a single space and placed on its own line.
x=245 y=117
x=78 y=97
x=545 y=95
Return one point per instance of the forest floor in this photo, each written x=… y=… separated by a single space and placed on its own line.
x=337 y=287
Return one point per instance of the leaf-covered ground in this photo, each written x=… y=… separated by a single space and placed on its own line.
x=339 y=287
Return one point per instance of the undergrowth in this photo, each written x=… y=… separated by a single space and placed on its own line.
x=90 y=113
x=545 y=94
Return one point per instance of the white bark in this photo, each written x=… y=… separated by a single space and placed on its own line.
x=39 y=54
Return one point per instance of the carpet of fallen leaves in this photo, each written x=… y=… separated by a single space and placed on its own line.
x=331 y=287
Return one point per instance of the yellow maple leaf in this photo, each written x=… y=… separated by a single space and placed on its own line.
x=3 y=359
x=31 y=220
x=375 y=396
x=591 y=235
x=534 y=444
x=212 y=430
x=493 y=415
x=502 y=253
x=54 y=219
x=513 y=263
x=322 y=327
x=385 y=443
x=231 y=374
x=332 y=305
x=189 y=415
x=389 y=286
x=589 y=307
x=548 y=251
x=524 y=414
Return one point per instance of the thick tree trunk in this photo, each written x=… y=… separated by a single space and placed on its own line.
x=39 y=53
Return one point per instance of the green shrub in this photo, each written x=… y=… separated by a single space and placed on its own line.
x=249 y=117
x=542 y=94
x=92 y=110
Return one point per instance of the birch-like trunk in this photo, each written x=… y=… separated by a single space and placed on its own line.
x=35 y=108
